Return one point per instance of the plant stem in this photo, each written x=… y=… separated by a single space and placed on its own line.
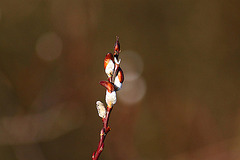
x=103 y=133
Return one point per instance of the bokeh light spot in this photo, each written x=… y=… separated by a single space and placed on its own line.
x=132 y=65
x=49 y=46
x=133 y=91
x=134 y=87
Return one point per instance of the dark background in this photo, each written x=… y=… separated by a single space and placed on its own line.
x=180 y=99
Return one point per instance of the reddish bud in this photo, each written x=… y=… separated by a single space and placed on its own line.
x=108 y=129
x=111 y=97
x=108 y=57
x=109 y=86
x=120 y=75
x=119 y=79
x=117 y=46
x=109 y=64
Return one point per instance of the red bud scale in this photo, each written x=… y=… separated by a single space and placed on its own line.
x=109 y=64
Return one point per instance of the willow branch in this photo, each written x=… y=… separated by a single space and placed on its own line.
x=114 y=84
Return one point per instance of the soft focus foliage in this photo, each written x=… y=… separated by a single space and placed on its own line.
x=180 y=99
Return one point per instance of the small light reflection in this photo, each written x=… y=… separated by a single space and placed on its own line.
x=49 y=46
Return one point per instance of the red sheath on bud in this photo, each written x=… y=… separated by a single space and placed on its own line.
x=111 y=97
x=109 y=86
x=109 y=64
x=117 y=46
x=119 y=79
x=120 y=75
x=108 y=58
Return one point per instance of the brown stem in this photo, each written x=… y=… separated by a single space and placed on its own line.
x=103 y=133
x=114 y=73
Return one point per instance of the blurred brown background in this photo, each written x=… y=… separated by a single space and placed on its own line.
x=180 y=99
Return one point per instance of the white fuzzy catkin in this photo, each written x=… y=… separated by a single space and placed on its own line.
x=101 y=109
x=117 y=83
x=111 y=98
x=110 y=68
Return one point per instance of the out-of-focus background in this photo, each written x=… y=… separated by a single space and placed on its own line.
x=181 y=95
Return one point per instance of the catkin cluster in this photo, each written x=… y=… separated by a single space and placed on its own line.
x=115 y=79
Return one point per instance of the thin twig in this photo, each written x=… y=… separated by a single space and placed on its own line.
x=103 y=133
